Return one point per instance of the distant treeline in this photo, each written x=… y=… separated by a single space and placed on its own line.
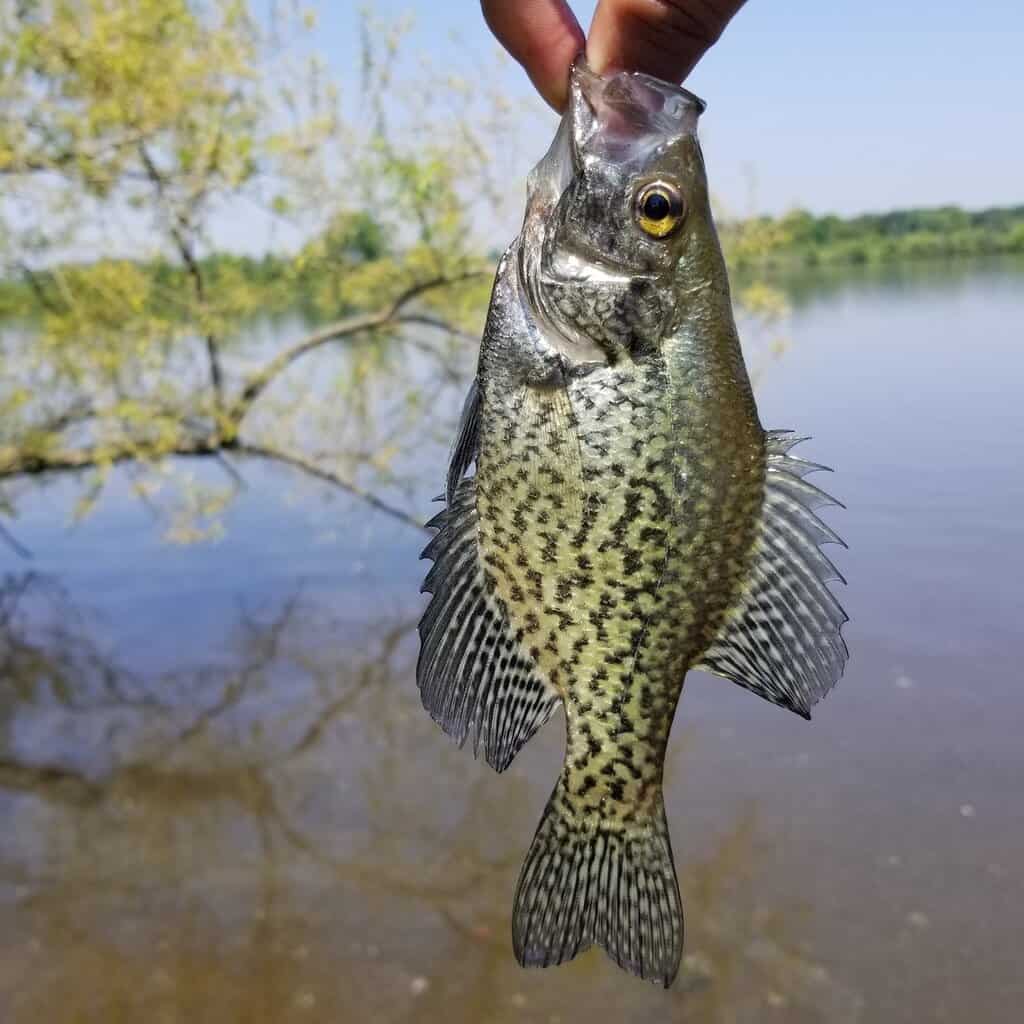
x=797 y=239
x=800 y=238
x=321 y=276
x=30 y=292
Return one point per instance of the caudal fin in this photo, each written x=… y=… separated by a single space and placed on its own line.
x=585 y=882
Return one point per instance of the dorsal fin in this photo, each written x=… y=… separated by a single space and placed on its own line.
x=781 y=639
x=475 y=677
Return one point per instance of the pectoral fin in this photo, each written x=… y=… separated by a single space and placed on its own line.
x=781 y=638
x=474 y=675
x=467 y=441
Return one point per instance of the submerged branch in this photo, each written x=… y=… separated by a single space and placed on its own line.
x=53 y=781
x=14 y=544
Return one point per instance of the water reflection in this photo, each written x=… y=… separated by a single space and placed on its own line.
x=810 y=286
x=285 y=836
x=240 y=812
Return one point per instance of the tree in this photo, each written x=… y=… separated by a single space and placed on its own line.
x=149 y=121
x=130 y=134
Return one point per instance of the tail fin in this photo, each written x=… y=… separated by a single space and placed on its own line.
x=602 y=882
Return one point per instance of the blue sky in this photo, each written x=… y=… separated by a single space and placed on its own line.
x=843 y=107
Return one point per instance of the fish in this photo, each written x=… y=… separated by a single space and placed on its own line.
x=614 y=517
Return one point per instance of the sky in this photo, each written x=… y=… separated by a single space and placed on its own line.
x=831 y=106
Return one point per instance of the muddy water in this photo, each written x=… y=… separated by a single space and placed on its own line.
x=221 y=801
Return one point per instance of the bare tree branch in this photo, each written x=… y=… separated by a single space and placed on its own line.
x=441 y=324
x=391 y=315
x=78 y=412
x=315 y=470
x=177 y=225
x=14 y=463
x=19 y=462
x=36 y=286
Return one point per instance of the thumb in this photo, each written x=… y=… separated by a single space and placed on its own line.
x=664 y=38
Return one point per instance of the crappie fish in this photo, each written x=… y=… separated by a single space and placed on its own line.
x=628 y=520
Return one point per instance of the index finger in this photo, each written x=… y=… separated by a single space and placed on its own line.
x=544 y=36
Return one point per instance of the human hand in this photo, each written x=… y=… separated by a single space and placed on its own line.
x=665 y=38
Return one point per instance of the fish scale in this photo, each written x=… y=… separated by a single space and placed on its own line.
x=628 y=520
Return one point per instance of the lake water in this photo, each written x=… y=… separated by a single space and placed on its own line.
x=220 y=799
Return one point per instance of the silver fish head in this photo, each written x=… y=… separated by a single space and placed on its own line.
x=614 y=209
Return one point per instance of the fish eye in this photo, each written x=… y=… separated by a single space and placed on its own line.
x=659 y=209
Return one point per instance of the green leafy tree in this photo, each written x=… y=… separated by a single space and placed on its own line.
x=128 y=130
x=131 y=134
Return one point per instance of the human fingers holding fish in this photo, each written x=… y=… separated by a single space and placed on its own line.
x=664 y=38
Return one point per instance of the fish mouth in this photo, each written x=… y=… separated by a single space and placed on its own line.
x=622 y=118
x=629 y=108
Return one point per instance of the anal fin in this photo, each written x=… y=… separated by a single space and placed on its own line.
x=781 y=638
x=475 y=678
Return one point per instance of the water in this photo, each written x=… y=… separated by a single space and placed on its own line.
x=221 y=801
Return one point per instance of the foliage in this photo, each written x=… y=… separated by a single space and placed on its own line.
x=132 y=127
x=132 y=340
